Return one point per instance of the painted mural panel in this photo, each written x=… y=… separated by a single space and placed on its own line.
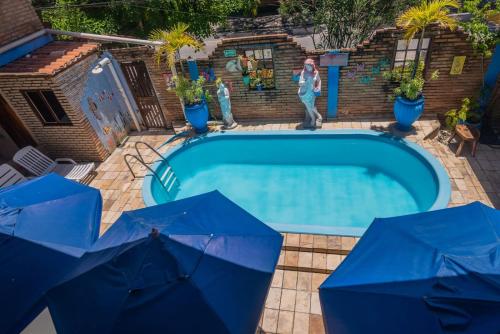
x=104 y=105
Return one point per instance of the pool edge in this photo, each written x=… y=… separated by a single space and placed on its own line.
x=443 y=180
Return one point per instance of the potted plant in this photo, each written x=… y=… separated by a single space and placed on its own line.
x=467 y=114
x=195 y=98
x=172 y=41
x=407 y=96
x=409 y=102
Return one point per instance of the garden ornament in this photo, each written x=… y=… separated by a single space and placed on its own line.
x=225 y=105
x=309 y=87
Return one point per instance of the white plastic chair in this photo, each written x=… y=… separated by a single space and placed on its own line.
x=37 y=163
x=10 y=176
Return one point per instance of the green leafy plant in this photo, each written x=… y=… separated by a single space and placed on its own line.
x=482 y=38
x=139 y=17
x=173 y=40
x=191 y=92
x=410 y=87
x=417 y=18
x=336 y=24
x=467 y=112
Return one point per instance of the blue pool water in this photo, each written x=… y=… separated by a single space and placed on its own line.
x=333 y=182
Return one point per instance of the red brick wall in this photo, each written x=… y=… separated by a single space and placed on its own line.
x=356 y=99
x=78 y=141
x=17 y=19
x=281 y=103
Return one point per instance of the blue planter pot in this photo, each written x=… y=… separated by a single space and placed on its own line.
x=407 y=112
x=259 y=87
x=197 y=115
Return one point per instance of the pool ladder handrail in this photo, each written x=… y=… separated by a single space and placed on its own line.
x=167 y=180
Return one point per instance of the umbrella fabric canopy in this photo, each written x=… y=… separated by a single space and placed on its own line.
x=46 y=224
x=197 y=265
x=433 y=272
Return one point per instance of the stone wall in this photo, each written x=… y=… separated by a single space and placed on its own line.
x=17 y=19
x=78 y=140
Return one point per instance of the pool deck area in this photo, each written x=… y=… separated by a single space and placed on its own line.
x=292 y=304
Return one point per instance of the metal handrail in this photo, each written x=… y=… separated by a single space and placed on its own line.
x=142 y=163
x=139 y=155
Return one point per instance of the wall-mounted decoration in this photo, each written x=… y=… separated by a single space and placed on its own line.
x=169 y=80
x=384 y=62
x=232 y=66
x=351 y=74
x=366 y=79
x=229 y=53
x=360 y=67
x=296 y=74
x=376 y=70
x=334 y=59
x=106 y=111
x=458 y=65
x=268 y=54
x=257 y=68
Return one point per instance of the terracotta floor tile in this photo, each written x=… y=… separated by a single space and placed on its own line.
x=301 y=323
x=290 y=279
x=285 y=322
x=316 y=324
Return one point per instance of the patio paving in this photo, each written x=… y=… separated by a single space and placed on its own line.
x=292 y=304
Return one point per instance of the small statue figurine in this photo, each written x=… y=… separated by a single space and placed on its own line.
x=309 y=88
x=225 y=105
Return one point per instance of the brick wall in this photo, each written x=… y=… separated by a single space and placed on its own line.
x=281 y=103
x=77 y=141
x=17 y=19
x=357 y=97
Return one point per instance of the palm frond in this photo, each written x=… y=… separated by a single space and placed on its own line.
x=417 y=18
x=172 y=41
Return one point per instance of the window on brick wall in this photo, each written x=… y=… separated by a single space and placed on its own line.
x=47 y=107
x=261 y=68
x=407 y=52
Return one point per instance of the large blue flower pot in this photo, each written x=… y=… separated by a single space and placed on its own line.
x=197 y=115
x=407 y=112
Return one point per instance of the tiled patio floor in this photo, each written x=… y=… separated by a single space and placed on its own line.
x=293 y=305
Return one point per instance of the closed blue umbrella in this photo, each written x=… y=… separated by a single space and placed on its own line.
x=197 y=265
x=432 y=272
x=46 y=224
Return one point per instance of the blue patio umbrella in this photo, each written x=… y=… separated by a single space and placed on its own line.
x=432 y=272
x=197 y=265
x=46 y=224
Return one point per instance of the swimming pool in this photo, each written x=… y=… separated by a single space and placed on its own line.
x=329 y=182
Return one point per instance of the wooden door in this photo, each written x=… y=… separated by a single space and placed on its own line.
x=13 y=125
x=140 y=84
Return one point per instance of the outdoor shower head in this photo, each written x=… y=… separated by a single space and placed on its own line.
x=100 y=65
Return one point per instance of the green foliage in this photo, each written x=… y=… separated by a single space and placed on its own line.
x=75 y=19
x=410 y=87
x=139 y=18
x=467 y=112
x=191 y=91
x=483 y=40
x=342 y=23
x=173 y=40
